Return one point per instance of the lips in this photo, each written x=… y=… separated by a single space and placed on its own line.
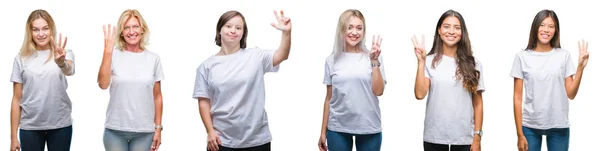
x=545 y=36
x=451 y=38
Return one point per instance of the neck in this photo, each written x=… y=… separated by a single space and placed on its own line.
x=449 y=50
x=352 y=48
x=542 y=47
x=133 y=48
x=44 y=47
x=229 y=49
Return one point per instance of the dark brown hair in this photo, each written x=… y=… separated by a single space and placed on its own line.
x=535 y=26
x=226 y=17
x=465 y=70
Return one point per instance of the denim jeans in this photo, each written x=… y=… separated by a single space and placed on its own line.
x=338 y=141
x=557 y=139
x=115 y=140
x=57 y=139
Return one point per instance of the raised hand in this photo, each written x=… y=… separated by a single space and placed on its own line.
x=109 y=38
x=375 y=48
x=59 y=50
x=583 y=53
x=419 y=47
x=283 y=23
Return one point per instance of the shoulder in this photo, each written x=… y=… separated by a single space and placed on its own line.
x=562 y=51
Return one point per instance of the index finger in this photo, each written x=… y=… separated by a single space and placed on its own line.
x=281 y=11
x=423 y=40
x=104 y=30
x=373 y=40
x=64 y=43
x=414 y=40
x=276 y=15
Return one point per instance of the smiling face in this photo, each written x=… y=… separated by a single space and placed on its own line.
x=40 y=33
x=354 y=31
x=132 y=32
x=546 y=31
x=450 y=31
x=232 y=31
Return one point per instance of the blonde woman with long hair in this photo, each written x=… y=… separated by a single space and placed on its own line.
x=41 y=107
x=354 y=77
x=133 y=73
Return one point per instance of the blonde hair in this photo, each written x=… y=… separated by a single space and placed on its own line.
x=29 y=46
x=126 y=15
x=340 y=35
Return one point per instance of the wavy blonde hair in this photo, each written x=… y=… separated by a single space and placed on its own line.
x=29 y=46
x=340 y=35
x=126 y=15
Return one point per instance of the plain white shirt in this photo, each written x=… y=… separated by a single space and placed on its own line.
x=546 y=102
x=235 y=86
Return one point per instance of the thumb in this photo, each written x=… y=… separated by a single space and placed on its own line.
x=218 y=140
x=274 y=25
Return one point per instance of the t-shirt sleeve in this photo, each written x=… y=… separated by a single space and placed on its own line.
x=16 y=75
x=327 y=75
x=158 y=71
x=70 y=56
x=517 y=71
x=201 y=84
x=570 y=66
x=427 y=64
x=480 y=85
x=382 y=69
x=267 y=60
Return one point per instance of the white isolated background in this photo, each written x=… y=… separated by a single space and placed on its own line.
x=182 y=33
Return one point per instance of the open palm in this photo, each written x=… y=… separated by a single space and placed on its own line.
x=583 y=53
x=419 y=47
x=283 y=23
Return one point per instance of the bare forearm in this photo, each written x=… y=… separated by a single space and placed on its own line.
x=421 y=86
x=478 y=109
x=377 y=81
x=204 y=107
x=105 y=70
x=518 y=115
x=325 y=117
x=158 y=109
x=68 y=68
x=284 y=48
x=15 y=118
x=574 y=87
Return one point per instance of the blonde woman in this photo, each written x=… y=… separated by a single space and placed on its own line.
x=133 y=73
x=41 y=107
x=354 y=77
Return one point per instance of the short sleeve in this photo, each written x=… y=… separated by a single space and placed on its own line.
x=427 y=64
x=70 y=56
x=327 y=75
x=267 y=60
x=517 y=71
x=480 y=85
x=158 y=70
x=17 y=75
x=569 y=66
x=382 y=69
x=201 y=83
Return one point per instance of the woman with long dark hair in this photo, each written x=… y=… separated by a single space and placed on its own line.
x=550 y=79
x=453 y=78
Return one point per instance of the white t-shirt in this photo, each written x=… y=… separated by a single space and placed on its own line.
x=235 y=85
x=45 y=103
x=546 y=102
x=353 y=107
x=131 y=106
x=449 y=117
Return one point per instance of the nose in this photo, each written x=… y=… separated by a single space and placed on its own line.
x=353 y=32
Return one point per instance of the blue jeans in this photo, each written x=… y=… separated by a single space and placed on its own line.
x=35 y=140
x=338 y=141
x=557 y=139
x=115 y=140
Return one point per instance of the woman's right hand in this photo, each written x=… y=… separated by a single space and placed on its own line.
x=419 y=47
x=109 y=38
x=323 y=143
x=213 y=141
x=522 y=144
x=14 y=145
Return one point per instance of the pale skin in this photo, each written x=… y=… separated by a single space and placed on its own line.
x=231 y=34
x=42 y=38
x=132 y=33
x=546 y=32
x=354 y=35
x=450 y=33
